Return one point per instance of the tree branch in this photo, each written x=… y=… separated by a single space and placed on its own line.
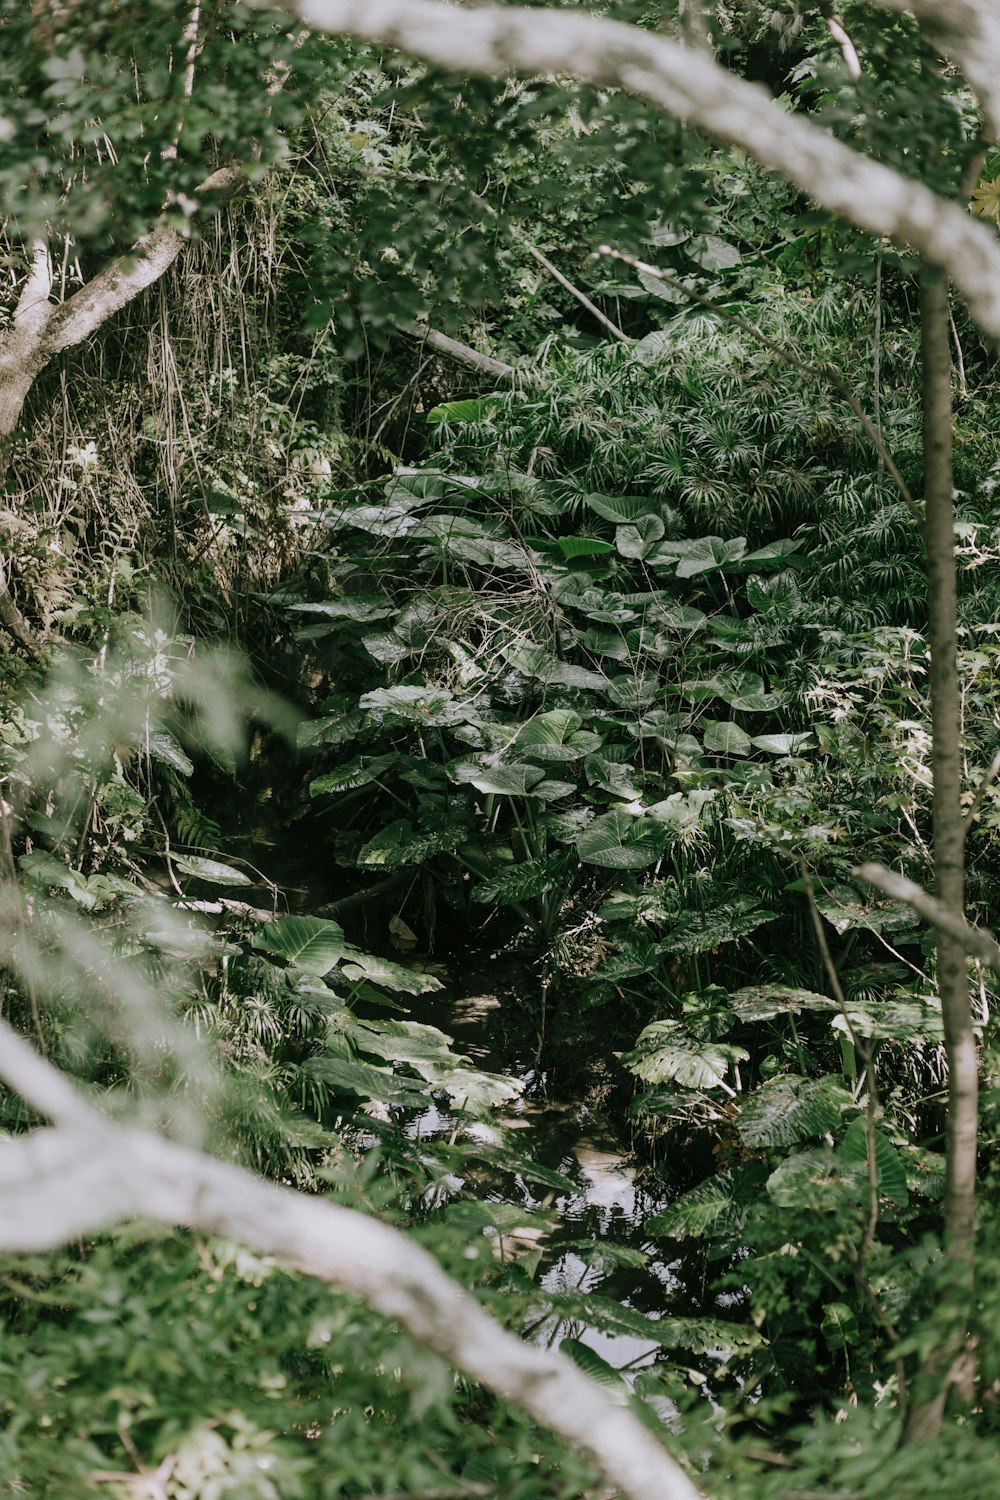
x=977 y=940
x=500 y=41
x=87 y=1174
x=123 y=279
x=460 y=354
x=581 y=297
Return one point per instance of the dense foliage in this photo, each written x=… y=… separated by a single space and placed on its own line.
x=361 y=673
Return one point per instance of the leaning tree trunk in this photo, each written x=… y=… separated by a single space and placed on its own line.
x=951 y=1362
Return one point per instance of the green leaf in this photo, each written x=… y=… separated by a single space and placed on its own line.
x=545 y=736
x=792 y=1109
x=360 y=771
x=700 y=932
x=163 y=747
x=311 y=944
x=360 y=611
x=723 y=737
x=399 y=844
x=617 y=841
x=618 y=508
x=505 y=781
x=638 y=540
x=212 y=870
x=766 y=1001
x=716 y=1207
x=839 y=1325
x=664 y=1053
x=381 y=971
x=890 y=1174
x=582 y=546
x=783 y=744
x=818 y=1180
x=603 y=1374
x=774 y=551
x=454 y=413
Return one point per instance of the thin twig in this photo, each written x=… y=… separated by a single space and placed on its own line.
x=978 y=941
x=581 y=297
x=981 y=790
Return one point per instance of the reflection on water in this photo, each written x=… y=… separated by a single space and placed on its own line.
x=589 y=1242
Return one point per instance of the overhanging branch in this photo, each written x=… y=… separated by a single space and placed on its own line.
x=976 y=940
x=501 y=41
x=86 y=1174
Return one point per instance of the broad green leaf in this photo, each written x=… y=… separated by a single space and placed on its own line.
x=417 y=705
x=717 y=1207
x=664 y=1053
x=360 y=771
x=634 y=692
x=617 y=841
x=545 y=736
x=523 y=881
x=638 y=540
x=311 y=944
x=783 y=744
x=389 y=976
x=455 y=413
x=359 y=611
x=819 y=1180
x=792 y=1109
x=839 y=1325
x=618 y=508
x=700 y=932
x=603 y=1374
x=889 y=1170
x=582 y=546
x=212 y=870
x=766 y=1001
x=774 y=551
x=723 y=737
x=163 y=747
x=400 y=844
x=504 y=780
x=368 y=1081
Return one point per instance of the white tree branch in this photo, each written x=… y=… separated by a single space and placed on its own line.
x=500 y=41
x=976 y=940
x=86 y=1174
x=121 y=280
x=33 y=308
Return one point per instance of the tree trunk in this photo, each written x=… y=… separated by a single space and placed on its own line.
x=951 y=1362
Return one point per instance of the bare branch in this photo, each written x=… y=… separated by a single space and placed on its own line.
x=33 y=308
x=977 y=940
x=852 y=62
x=86 y=1175
x=581 y=297
x=451 y=349
x=500 y=41
x=116 y=285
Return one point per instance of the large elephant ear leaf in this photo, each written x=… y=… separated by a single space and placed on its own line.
x=792 y=1109
x=664 y=1053
x=617 y=841
x=307 y=943
x=716 y=1207
x=890 y=1174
